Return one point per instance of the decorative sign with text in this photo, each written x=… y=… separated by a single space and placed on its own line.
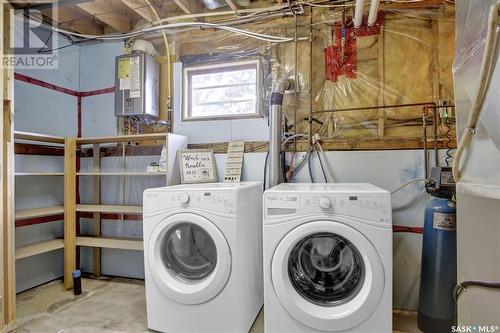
x=197 y=166
x=234 y=161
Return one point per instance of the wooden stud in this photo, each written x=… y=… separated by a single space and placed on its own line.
x=2 y=183
x=97 y=199
x=381 y=78
x=7 y=176
x=69 y=211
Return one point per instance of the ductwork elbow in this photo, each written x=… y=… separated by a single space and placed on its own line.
x=279 y=88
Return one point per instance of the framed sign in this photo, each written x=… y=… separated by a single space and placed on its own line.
x=197 y=166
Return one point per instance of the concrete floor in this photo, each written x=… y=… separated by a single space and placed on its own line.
x=109 y=305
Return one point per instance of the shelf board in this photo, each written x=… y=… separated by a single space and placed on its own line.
x=37 y=137
x=38 y=248
x=109 y=209
x=123 y=138
x=121 y=173
x=38 y=212
x=110 y=243
x=39 y=174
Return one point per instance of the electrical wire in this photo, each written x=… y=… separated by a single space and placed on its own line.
x=311 y=178
x=462 y=286
x=409 y=183
x=321 y=164
x=448 y=142
x=201 y=25
x=265 y=172
x=167 y=55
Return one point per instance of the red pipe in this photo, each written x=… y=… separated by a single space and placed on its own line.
x=415 y=230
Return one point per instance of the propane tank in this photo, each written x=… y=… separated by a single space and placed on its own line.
x=437 y=308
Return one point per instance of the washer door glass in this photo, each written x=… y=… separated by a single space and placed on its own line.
x=326 y=269
x=189 y=252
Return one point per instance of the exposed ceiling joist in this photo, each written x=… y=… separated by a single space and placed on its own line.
x=75 y=19
x=141 y=8
x=233 y=5
x=107 y=14
x=188 y=6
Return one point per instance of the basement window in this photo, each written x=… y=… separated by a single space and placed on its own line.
x=228 y=90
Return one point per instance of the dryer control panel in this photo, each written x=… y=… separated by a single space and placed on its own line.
x=373 y=207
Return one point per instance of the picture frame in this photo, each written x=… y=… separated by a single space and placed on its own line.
x=197 y=166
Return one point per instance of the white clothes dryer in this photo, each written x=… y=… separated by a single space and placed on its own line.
x=203 y=257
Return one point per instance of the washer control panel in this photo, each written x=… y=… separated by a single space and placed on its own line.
x=215 y=201
x=375 y=207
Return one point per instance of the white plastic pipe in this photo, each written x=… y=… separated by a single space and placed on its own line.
x=372 y=15
x=358 y=13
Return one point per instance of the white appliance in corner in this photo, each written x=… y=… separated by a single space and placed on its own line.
x=478 y=191
x=203 y=257
x=327 y=258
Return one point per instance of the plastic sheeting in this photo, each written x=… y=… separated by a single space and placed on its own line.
x=409 y=61
x=480 y=164
x=471 y=34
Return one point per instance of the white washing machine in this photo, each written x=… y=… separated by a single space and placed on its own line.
x=203 y=257
x=327 y=258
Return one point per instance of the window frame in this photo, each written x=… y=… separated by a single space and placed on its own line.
x=189 y=71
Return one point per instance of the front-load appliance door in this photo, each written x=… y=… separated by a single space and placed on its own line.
x=189 y=258
x=327 y=275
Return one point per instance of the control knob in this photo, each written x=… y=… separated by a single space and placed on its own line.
x=184 y=198
x=325 y=203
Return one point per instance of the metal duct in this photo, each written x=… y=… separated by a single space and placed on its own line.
x=216 y=4
x=275 y=116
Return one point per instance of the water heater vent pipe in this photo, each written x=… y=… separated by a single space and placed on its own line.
x=275 y=126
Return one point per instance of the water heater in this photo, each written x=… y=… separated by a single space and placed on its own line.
x=136 y=86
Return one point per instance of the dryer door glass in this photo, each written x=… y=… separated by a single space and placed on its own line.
x=326 y=269
x=189 y=252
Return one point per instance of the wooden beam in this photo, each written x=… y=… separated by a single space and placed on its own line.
x=110 y=243
x=28 y=136
x=386 y=143
x=109 y=208
x=38 y=248
x=97 y=199
x=232 y=4
x=69 y=211
x=107 y=14
x=141 y=8
x=381 y=79
x=189 y=6
x=73 y=18
x=8 y=289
